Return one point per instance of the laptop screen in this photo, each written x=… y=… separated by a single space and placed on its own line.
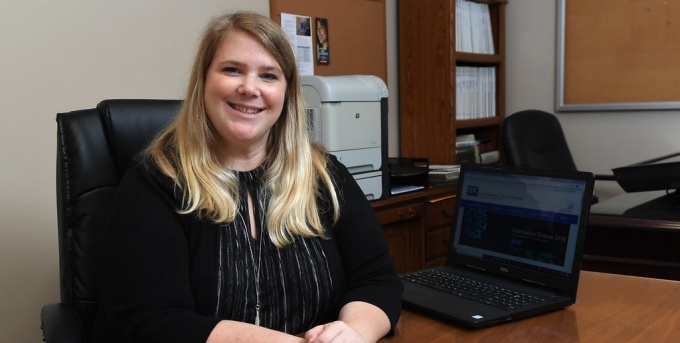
x=521 y=220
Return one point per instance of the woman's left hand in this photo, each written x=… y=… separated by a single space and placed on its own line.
x=335 y=332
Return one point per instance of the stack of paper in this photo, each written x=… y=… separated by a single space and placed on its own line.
x=439 y=174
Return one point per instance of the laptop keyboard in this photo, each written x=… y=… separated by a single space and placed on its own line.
x=473 y=289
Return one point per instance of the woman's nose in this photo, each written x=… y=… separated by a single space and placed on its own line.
x=249 y=86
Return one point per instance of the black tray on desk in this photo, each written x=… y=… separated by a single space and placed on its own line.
x=409 y=171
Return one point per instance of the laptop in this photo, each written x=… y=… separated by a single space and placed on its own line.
x=515 y=247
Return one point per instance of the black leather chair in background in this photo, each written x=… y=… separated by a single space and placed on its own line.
x=94 y=147
x=535 y=139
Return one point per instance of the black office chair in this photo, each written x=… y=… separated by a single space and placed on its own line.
x=94 y=147
x=534 y=139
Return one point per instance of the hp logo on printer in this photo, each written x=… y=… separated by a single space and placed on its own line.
x=472 y=190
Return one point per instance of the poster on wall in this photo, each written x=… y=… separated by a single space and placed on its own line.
x=299 y=31
x=323 y=55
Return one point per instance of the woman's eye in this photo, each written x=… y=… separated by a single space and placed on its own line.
x=230 y=70
x=270 y=77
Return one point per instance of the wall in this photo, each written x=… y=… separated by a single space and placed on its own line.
x=599 y=141
x=60 y=56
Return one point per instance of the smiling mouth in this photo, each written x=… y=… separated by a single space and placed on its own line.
x=246 y=110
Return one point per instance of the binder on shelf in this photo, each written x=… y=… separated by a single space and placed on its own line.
x=489 y=157
x=475 y=92
x=473 y=28
x=467 y=150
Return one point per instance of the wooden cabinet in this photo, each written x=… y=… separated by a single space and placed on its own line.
x=438 y=221
x=622 y=244
x=417 y=226
x=427 y=79
x=634 y=233
x=403 y=227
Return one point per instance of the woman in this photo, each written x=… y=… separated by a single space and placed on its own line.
x=233 y=226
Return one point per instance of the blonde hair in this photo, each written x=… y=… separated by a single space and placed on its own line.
x=296 y=167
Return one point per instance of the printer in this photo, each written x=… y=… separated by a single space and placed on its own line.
x=348 y=116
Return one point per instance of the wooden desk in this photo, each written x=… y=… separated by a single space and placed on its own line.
x=635 y=234
x=609 y=308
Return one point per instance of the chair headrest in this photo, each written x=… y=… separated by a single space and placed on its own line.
x=131 y=124
x=541 y=131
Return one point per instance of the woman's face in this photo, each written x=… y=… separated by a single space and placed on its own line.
x=321 y=33
x=245 y=89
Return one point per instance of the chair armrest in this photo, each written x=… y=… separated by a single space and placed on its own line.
x=60 y=323
x=605 y=177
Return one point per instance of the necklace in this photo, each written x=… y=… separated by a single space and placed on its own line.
x=257 y=280
x=252 y=209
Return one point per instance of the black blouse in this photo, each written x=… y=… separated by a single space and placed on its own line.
x=283 y=289
x=168 y=277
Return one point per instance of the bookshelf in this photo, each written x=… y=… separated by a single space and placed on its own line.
x=428 y=84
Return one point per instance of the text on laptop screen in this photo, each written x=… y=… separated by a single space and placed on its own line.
x=524 y=221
